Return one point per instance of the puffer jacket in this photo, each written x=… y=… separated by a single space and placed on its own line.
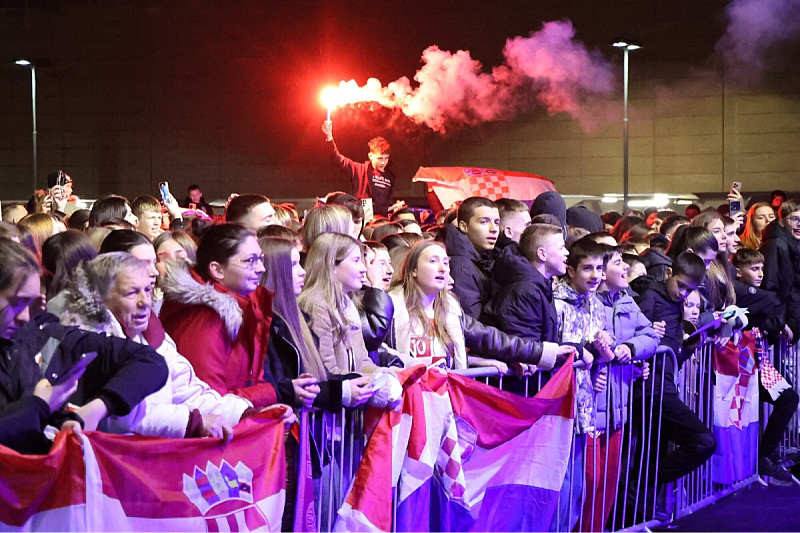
x=175 y=410
x=377 y=310
x=782 y=270
x=488 y=341
x=523 y=305
x=223 y=335
x=471 y=271
x=628 y=325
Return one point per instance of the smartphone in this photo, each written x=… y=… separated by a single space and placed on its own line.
x=735 y=206
x=77 y=368
x=164 y=188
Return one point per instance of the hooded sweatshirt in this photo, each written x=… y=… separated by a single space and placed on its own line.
x=471 y=271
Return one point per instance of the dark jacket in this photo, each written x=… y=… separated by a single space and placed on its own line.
x=782 y=270
x=657 y=263
x=656 y=305
x=366 y=182
x=122 y=375
x=765 y=310
x=471 y=271
x=490 y=342
x=283 y=364
x=376 y=314
x=523 y=305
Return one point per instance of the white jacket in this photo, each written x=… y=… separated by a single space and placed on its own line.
x=403 y=329
x=164 y=413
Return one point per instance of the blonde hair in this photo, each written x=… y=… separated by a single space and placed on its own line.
x=326 y=219
x=42 y=227
x=327 y=252
x=412 y=294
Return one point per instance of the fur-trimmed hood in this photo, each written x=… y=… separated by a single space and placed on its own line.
x=183 y=285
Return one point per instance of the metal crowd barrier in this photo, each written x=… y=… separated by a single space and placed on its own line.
x=617 y=462
x=785 y=358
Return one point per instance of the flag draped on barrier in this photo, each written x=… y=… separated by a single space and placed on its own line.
x=132 y=483
x=735 y=410
x=460 y=455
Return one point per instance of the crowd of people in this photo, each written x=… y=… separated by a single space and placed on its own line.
x=201 y=319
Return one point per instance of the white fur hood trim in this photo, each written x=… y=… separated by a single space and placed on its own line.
x=179 y=285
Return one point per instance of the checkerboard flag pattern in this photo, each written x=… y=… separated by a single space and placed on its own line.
x=488 y=184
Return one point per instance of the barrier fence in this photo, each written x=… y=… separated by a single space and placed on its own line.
x=613 y=473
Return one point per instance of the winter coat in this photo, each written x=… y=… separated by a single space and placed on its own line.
x=656 y=305
x=283 y=359
x=484 y=340
x=404 y=329
x=782 y=269
x=523 y=305
x=340 y=356
x=627 y=325
x=366 y=182
x=170 y=411
x=657 y=263
x=580 y=319
x=765 y=310
x=376 y=314
x=121 y=376
x=471 y=271
x=223 y=335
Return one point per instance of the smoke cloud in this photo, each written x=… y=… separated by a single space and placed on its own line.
x=549 y=68
x=754 y=30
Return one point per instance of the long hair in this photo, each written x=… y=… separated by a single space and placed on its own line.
x=219 y=243
x=326 y=219
x=278 y=279
x=42 y=226
x=750 y=238
x=182 y=238
x=327 y=252
x=61 y=253
x=719 y=284
x=412 y=294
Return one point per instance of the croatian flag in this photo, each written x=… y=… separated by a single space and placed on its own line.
x=735 y=411
x=132 y=483
x=462 y=456
x=453 y=184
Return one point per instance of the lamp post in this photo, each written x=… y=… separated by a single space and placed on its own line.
x=26 y=63
x=626 y=47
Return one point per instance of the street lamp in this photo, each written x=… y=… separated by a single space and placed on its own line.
x=626 y=47
x=26 y=63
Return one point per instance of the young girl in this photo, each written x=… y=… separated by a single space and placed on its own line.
x=427 y=321
x=335 y=271
x=292 y=351
x=219 y=315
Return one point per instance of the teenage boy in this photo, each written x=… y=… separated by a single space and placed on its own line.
x=514 y=218
x=694 y=442
x=582 y=321
x=370 y=180
x=253 y=211
x=635 y=341
x=767 y=313
x=470 y=245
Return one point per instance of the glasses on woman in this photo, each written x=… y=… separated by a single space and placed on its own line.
x=251 y=263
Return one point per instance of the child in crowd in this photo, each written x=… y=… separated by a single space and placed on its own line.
x=636 y=267
x=766 y=313
x=691 y=308
x=582 y=320
x=694 y=442
x=635 y=342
